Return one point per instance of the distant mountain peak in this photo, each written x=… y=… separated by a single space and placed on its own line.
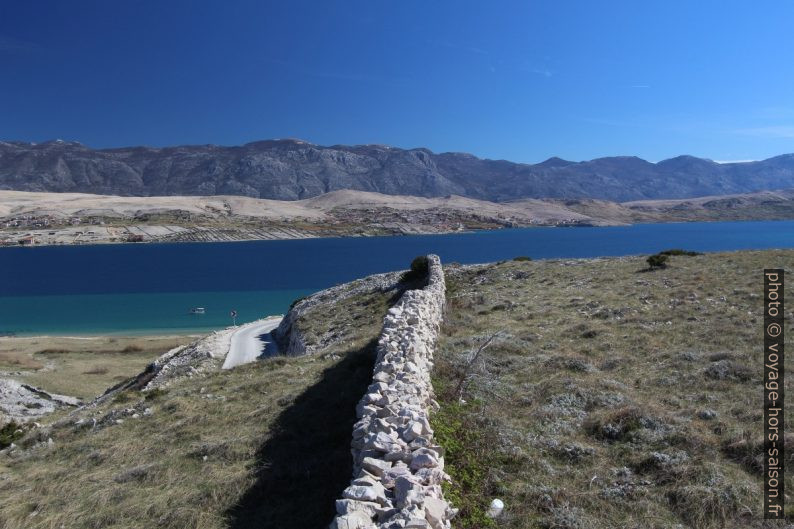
x=687 y=162
x=292 y=169
x=686 y=157
x=61 y=143
x=555 y=161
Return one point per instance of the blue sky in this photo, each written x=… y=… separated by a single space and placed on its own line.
x=518 y=80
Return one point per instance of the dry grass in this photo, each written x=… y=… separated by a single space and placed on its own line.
x=262 y=445
x=81 y=367
x=613 y=397
x=18 y=361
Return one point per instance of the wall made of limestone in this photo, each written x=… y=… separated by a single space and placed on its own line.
x=397 y=467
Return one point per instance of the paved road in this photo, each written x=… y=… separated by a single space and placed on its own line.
x=250 y=341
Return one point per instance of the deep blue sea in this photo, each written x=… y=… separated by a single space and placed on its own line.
x=149 y=288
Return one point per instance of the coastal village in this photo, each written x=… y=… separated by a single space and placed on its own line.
x=31 y=230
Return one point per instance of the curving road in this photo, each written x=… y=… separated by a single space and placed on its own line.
x=250 y=341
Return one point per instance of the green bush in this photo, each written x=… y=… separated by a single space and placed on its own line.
x=419 y=270
x=154 y=394
x=292 y=305
x=9 y=433
x=657 y=261
x=521 y=258
x=679 y=251
x=468 y=457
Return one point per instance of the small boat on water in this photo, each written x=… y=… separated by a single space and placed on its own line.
x=197 y=310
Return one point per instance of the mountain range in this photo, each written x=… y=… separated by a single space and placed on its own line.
x=295 y=169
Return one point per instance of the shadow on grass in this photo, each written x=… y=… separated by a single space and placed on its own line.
x=306 y=463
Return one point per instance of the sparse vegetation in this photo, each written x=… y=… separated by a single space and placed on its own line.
x=522 y=258
x=614 y=399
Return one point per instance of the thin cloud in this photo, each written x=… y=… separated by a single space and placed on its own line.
x=545 y=72
x=774 y=131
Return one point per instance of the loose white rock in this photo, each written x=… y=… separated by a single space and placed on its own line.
x=497 y=506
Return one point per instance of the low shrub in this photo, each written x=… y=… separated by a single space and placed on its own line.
x=418 y=271
x=53 y=352
x=522 y=258
x=679 y=251
x=154 y=394
x=616 y=425
x=712 y=504
x=657 y=261
x=10 y=432
x=295 y=302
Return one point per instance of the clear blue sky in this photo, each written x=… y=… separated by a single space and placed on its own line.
x=517 y=80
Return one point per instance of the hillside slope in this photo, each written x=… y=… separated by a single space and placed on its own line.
x=294 y=169
x=608 y=396
x=605 y=396
x=77 y=218
x=262 y=445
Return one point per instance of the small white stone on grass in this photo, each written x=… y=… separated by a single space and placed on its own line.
x=497 y=506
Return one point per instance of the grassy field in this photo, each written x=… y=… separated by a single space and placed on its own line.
x=608 y=395
x=81 y=367
x=263 y=445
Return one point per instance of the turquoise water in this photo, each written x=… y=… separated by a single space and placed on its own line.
x=146 y=313
x=150 y=288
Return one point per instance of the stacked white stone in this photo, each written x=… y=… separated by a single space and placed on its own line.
x=398 y=470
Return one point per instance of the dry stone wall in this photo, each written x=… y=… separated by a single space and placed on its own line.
x=397 y=468
x=290 y=339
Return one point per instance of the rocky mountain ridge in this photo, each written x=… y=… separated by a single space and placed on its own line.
x=295 y=169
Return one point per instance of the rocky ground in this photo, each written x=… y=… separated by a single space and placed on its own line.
x=23 y=402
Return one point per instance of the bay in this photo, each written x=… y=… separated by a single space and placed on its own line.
x=149 y=288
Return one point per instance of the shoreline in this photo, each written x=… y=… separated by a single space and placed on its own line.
x=324 y=237
x=393 y=235
x=77 y=219
x=126 y=334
